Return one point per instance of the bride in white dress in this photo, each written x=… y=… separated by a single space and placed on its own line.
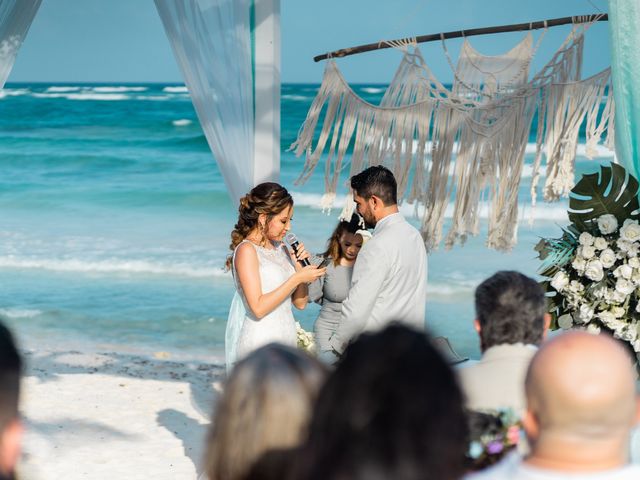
x=267 y=276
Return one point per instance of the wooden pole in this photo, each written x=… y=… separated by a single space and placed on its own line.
x=554 y=22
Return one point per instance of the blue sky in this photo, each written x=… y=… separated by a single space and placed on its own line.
x=123 y=40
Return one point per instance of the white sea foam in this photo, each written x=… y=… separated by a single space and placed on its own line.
x=153 y=98
x=84 y=96
x=296 y=98
x=19 y=312
x=372 y=90
x=118 y=89
x=62 y=89
x=600 y=151
x=183 y=122
x=113 y=266
x=175 y=89
x=542 y=212
x=13 y=92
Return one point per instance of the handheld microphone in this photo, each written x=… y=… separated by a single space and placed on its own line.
x=292 y=240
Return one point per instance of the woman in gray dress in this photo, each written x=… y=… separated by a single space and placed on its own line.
x=332 y=289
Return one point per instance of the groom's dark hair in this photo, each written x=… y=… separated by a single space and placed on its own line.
x=378 y=181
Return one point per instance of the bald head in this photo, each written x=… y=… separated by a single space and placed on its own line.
x=583 y=386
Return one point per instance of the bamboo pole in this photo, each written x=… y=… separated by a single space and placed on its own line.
x=554 y=22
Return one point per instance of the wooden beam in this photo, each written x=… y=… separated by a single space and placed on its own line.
x=554 y=22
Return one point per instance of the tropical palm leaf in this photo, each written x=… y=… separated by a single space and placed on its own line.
x=555 y=253
x=612 y=191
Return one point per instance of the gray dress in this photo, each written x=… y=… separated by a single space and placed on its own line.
x=329 y=291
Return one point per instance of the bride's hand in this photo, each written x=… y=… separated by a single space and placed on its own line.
x=310 y=273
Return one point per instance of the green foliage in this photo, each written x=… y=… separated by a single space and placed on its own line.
x=555 y=253
x=611 y=191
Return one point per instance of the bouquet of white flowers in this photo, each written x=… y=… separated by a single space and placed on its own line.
x=305 y=339
x=593 y=270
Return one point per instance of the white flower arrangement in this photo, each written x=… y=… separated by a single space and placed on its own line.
x=599 y=287
x=593 y=270
x=305 y=339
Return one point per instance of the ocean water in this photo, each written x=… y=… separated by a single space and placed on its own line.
x=114 y=222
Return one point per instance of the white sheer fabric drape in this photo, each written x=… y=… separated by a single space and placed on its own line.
x=15 y=19
x=211 y=40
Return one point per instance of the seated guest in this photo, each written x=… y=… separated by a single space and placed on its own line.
x=266 y=404
x=10 y=425
x=511 y=322
x=391 y=410
x=581 y=407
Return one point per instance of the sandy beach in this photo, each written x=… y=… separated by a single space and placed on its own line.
x=115 y=415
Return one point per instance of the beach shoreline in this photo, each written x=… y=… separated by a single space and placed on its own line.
x=101 y=415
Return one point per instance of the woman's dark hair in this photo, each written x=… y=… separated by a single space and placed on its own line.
x=268 y=198
x=392 y=409
x=333 y=244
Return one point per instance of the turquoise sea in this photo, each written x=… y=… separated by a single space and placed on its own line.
x=114 y=222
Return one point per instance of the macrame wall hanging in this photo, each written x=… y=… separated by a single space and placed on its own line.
x=463 y=146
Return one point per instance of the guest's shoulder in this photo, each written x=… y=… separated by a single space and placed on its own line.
x=506 y=469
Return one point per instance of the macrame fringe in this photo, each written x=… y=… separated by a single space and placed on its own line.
x=455 y=151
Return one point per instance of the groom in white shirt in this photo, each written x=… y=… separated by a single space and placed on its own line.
x=389 y=281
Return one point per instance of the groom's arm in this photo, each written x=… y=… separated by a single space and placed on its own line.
x=369 y=273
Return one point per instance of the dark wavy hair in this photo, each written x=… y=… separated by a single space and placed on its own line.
x=334 y=251
x=391 y=409
x=510 y=308
x=378 y=181
x=268 y=198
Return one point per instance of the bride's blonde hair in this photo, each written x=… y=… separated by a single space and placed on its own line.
x=269 y=198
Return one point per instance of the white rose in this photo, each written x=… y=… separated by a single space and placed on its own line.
x=630 y=230
x=633 y=250
x=608 y=258
x=585 y=238
x=593 y=329
x=587 y=251
x=607 y=223
x=614 y=296
x=623 y=245
x=618 y=311
x=559 y=281
x=635 y=278
x=638 y=307
x=624 y=286
x=579 y=264
x=585 y=313
x=565 y=321
x=594 y=270
x=575 y=286
x=600 y=243
x=607 y=318
x=624 y=271
x=634 y=262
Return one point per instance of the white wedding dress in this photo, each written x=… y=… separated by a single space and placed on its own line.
x=245 y=333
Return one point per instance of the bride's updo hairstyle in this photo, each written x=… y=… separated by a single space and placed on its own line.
x=269 y=198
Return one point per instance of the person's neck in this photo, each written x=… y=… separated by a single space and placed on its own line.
x=258 y=239
x=386 y=211
x=575 y=455
x=346 y=263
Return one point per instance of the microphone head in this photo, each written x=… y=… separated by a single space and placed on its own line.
x=291 y=238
